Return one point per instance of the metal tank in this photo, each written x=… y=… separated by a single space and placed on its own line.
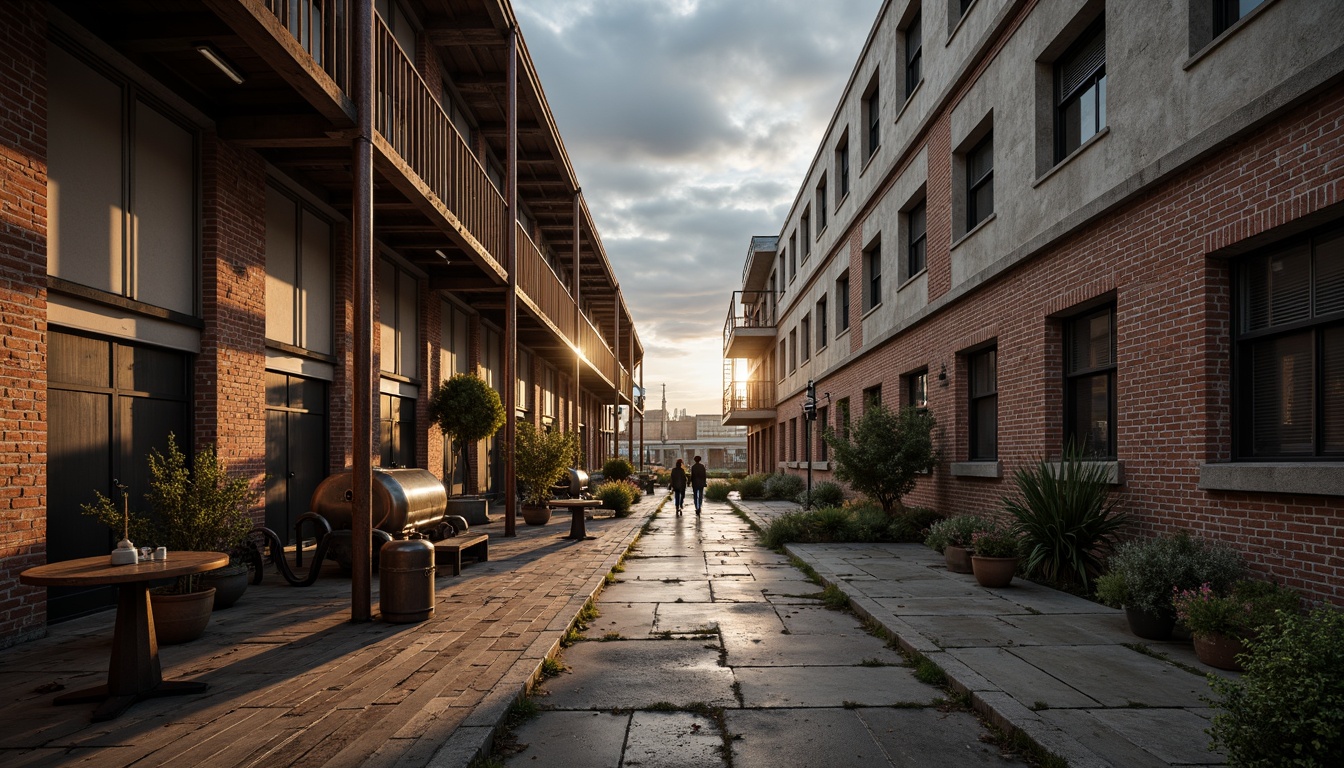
x=573 y=485
x=406 y=580
x=403 y=500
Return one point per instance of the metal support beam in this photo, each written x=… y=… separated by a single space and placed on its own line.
x=511 y=296
x=578 y=314
x=361 y=533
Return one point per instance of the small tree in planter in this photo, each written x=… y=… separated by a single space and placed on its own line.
x=885 y=454
x=466 y=410
x=617 y=468
x=540 y=460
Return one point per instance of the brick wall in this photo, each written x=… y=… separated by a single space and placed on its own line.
x=1173 y=345
x=23 y=312
x=230 y=373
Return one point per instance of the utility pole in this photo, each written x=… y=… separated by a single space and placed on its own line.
x=809 y=415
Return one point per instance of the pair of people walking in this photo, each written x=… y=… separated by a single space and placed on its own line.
x=698 y=481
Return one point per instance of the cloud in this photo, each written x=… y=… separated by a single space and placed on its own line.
x=690 y=124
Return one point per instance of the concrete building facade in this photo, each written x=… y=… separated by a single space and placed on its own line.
x=178 y=218
x=1112 y=225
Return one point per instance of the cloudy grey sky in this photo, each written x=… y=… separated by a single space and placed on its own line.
x=690 y=124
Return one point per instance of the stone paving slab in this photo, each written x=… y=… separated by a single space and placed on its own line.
x=1116 y=676
x=832 y=686
x=655 y=591
x=672 y=740
x=625 y=619
x=729 y=617
x=927 y=737
x=1020 y=679
x=568 y=739
x=639 y=674
x=817 y=738
x=778 y=650
x=815 y=620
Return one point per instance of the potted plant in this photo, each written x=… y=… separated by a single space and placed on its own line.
x=1143 y=574
x=952 y=536
x=540 y=460
x=1221 y=624
x=995 y=555
x=201 y=509
x=466 y=410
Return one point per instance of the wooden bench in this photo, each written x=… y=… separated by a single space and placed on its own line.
x=579 y=508
x=476 y=545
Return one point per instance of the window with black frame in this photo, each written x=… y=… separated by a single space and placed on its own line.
x=917 y=224
x=1289 y=383
x=842 y=168
x=1080 y=91
x=872 y=267
x=980 y=182
x=914 y=55
x=842 y=303
x=984 y=404
x=1229 y=12
x=1089 y=382
x=917 y=389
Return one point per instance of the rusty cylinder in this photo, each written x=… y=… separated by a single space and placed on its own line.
x=406 y=580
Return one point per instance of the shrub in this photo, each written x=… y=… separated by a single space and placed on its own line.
x=824 y=494
x=1252 y=607
x=752 y=487
x=859 y=523
x=1144 y=573
x=885 y=453
x=955 y=531
x=784 y=486
x=1066 y=518
x=618 y=468
x=1288 y=707
x=718 y=490
x=912 y=525
x=617 y=495
x=788 y=527
x=998 y=541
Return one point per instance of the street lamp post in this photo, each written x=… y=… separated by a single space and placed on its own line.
x=809 y=415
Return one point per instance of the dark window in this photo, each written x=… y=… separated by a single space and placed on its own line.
x=917 y=221
x=917 y=389
x=980 y=182
x=872 y=396
x=965 y=6
x=807 y=235
x=805 y=338
x=842 y=168
x=822 y=334
x=793 y=350
x=1229 y=12
x=783 y=360
x=1290 y=350
x=396 y=420
x=1080 y=92
x=914 y=54
x=1089 y=368
x=821 y=206
x=842 y=415
x=872 y=117
x=842 y=304
x=823 y=450
x=984 y=395
x=872 y=266
x=793 y=439
x=793 y=256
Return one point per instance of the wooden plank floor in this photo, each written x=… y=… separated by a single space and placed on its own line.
x=293 y=682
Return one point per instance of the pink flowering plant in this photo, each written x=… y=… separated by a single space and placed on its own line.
x=998 y=541
x=1251 y=606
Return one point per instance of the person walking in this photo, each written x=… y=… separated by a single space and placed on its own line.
x=678 y=484
x=698 y=482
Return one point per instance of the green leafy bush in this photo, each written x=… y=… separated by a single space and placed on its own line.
x=1288 y=707
x=1146 y=573
x=752 y=487
x=858 y=523
x=955 y=531
x=885 y=452
x=617 y=468
x=718 y=490
x=911 y=525
x=998 y=541
x=783 y=486
x=824 y=494
x=1067 y=518
x=617 y=495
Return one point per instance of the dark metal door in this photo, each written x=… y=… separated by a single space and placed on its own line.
x=296 y=447
x=108 y=404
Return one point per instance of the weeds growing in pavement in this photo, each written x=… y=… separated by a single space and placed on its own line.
x=929 y=673
x=835 y=599
x=551 y=667
x=1147 y=650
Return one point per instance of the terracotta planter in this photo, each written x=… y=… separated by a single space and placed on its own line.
x=993 y=571
x=1219 y=650
x=958 y=559
x=539 y=515
x=181 y=618
x=230 y=582
x=1150 y=626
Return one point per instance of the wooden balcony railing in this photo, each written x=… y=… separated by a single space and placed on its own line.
x=543 y=287
x=322 y=28
x=419 y=130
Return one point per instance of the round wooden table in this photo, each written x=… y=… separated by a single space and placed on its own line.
x=133 y=673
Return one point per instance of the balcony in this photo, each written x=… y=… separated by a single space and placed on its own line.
x=746 y=403
x=749 y=331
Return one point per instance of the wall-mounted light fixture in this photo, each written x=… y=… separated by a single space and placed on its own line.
x=214 y=57
x=444 y=256
x=942 y=375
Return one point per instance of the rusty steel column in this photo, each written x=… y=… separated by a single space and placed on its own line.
x=511 y=296
x=578 y=320
x=361 y=533
x=616 y=352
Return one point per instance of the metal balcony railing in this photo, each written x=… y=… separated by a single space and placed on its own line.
x=748 y=396
x=749 y=309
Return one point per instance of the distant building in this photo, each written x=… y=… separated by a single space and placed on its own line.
x=720 y=447
x=1073 y=223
